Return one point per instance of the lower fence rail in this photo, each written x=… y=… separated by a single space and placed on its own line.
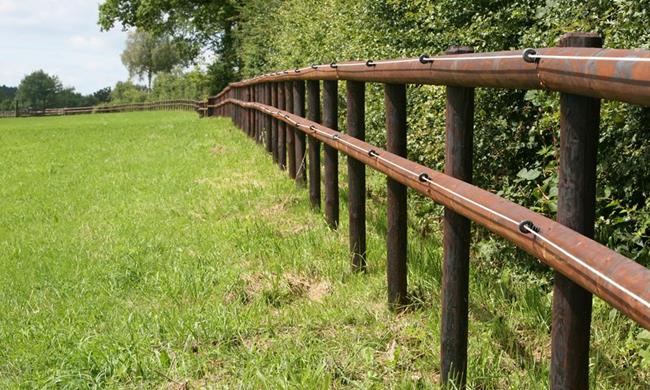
x=619 y=281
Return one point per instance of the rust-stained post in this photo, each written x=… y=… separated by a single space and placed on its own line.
x=356 y=127
x=299 y=141
x=290 y=136
x=330 y=120
x=313 y=106
x=576 y=209
x=259 y=94
x=282 y=127
x=396 y=240
x=274 y=122
x=459 y=130
x=249 y=112
x=267 y=118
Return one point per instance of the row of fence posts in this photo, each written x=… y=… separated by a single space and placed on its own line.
x=579 y=122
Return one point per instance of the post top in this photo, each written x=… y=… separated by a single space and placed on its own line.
x=459 y=50
x=581 y=39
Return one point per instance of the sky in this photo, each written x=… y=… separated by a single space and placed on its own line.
x=60 y=37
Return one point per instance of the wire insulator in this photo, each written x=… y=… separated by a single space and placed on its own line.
x=425 y=59
x=527 y=56
x=527 y=224
x=333 y=64
x=335 y=136
x=424 y=177
x=297 y=70
x=312 y=128
x=370 y=63
x=314 y=66
x=373 y=153
x=286 y=72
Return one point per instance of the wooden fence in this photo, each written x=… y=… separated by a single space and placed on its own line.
x=271 y=109
x=163 y=105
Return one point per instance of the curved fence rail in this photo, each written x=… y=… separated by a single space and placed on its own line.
x=274 y=110
x=163 y=105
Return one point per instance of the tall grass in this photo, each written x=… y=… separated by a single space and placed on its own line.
x=160 y=250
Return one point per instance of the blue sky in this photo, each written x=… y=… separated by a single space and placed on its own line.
x=61 y=37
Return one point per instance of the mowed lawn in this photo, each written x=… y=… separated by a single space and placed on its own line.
x=160 y=250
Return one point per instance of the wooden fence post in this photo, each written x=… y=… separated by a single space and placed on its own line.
x=282 y=127
x=396 y=239
x=459 y=129
x=267 y=118
x=331 y=120
x=576 y=209
x=299 y=142
x=290 y=136
x=274 y=122
x=356 y=127
x=313 y=105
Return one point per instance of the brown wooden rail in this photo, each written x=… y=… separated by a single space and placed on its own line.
x=271 y=108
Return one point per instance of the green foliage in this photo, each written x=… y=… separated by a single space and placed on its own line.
x=516 y=132
x=196 y=25
x=146 y=54
x=127 y=92
x=176 y=85
x=38 y=89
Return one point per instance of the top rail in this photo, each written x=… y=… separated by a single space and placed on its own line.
x=613 y=74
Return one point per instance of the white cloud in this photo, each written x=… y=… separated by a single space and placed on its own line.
x=62 y=38
x=87 y=42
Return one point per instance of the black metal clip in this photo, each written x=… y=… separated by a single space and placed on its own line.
x=425 y=59
x=333 y=64
x=370 y=63
x=526 y=55
x=527 y=224
x=372 y=153
x=424 y=177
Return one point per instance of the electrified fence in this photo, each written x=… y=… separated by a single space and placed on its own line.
x=163 y=105
x=271 y=109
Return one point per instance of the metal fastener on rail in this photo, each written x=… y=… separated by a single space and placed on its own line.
x=425 y=59
x=527 y=56
x=524 y=227
x=370 y=63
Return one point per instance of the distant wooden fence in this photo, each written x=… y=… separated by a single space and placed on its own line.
x=163 y=105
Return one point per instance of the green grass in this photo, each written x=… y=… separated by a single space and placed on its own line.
x=160 y=250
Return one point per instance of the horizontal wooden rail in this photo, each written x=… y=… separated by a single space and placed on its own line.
x=470 y=201
x=622 y=80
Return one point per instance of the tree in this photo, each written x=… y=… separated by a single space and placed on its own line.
x=127 y=92
x=103 y=95
x=196 y=25
x=38 y=89
x=146 y=55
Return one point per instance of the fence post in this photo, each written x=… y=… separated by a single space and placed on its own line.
x=290 y=136
x=313 y=105
x=396 y=240
x=459 y=130
x=299 y=142
x=267 y=117
x=274 y=122
x=256 y=88
x=576 y=209
x=331 y=120
x=282 y=127
x=357 y=175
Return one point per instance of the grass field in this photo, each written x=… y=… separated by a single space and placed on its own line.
x=159 y=250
